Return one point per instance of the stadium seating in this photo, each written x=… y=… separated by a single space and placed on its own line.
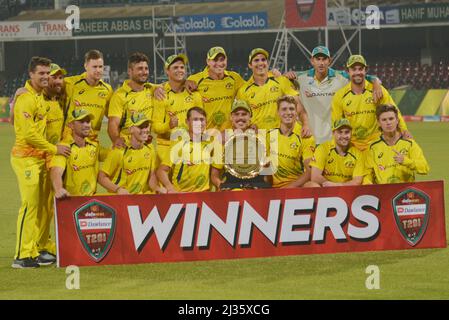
x=394 y=73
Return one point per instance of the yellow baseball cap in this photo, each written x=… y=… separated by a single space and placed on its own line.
x=54 y=68
x=256 y=51
x=356 y=58
x=241 y=104
x=139 y=119
x=343 y=122
x=214 y=52
x=173 y=57
x=80 y=114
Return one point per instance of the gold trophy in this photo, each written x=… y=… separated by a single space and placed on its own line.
x=244 y=152
x=244 y=155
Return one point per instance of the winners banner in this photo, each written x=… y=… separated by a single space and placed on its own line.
x=131 y=229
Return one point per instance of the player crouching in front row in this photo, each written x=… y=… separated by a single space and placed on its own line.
x=76 y=175
x=393 y=158
x=132 y=168
x=338 y=162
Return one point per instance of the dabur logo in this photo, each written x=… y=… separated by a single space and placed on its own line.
x=95 y=226
x=411 y=211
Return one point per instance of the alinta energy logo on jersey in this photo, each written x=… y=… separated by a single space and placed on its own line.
x=95 y=225
x=412 y=212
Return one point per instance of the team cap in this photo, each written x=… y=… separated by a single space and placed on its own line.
x=54 y=68
x=321 y=50
x=356 y=58
x=214 y=52
x=138 y=119
x=173 y=57
x=343 y=122
x=256 y=51
x=80 y=114
x=241 y=104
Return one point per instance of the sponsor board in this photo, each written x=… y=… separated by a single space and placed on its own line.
x=255 y=223
x=95 y=226
x=222 y=22
x=390 y=15
x=36 y=30
x=305 y=13
x=412 y=209
x=184 y=24
x=413 y=118
x=431 y=118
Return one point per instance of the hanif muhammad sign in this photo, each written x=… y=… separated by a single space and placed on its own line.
x=253 y=223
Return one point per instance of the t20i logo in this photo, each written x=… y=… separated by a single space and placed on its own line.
x=95 y=225
x=411 y=211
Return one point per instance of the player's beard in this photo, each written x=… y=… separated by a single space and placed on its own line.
x=140 y=80
x=357 y=80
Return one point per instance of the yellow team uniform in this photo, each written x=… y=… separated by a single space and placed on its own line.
x=218 y=96
x=290 y=157
x=80 y=95
x=28 y=163
x=360 y=110
x=178 y=104
x=81 y=167
x=55 y=123
x=131 y=168
x=382 y=168
x=335 y=167
x=191 y=174
x=125 y=101
x=55 y=120
x=263 y=99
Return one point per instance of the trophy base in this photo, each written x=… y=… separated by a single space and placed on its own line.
x=232 y=182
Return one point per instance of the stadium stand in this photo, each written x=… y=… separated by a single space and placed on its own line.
x=394 y=73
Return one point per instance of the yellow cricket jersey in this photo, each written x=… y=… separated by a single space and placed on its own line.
x=131 y=168
x=80 y=95
x=190 y=164
x=30 y=119
x=81 y=167
x=335 y=167
x=382 y=168
x=125 y=102
x=263 y=99
x=55 y=119
x=289 y=157
x=360 y=110
x=178 y=103
x=218 y=96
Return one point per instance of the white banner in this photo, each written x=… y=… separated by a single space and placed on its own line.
x=34 y=30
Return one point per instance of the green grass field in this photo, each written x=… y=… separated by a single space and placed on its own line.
x=408 y=274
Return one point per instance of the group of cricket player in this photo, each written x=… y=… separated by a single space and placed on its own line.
x=331 y=127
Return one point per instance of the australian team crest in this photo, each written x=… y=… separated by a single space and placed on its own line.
x=95 y=225
x=411 y=211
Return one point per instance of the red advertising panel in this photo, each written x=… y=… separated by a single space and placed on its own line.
x=129 y=229
x=305 y=13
